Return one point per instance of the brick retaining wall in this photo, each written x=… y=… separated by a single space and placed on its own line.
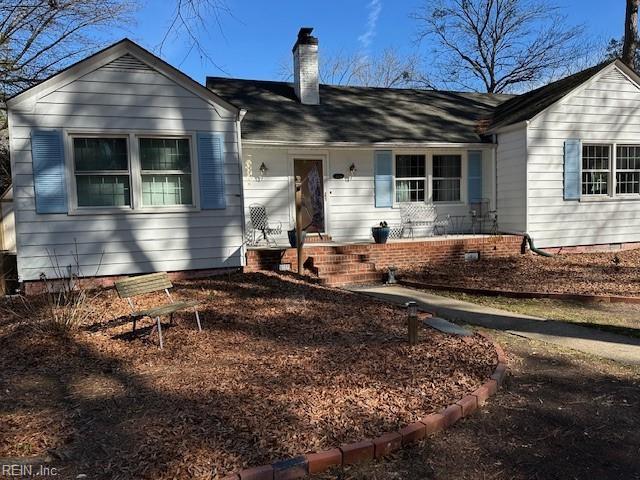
x=401 y=254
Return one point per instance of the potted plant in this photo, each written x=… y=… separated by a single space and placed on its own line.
x=381 y=232
x=291 y=233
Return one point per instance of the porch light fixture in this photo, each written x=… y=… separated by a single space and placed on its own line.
x=263 y=169
x=352 y=170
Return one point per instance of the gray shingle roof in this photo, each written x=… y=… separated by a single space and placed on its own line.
x=371 y=115
x=356 y=114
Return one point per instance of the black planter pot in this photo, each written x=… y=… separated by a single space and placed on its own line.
x=380 y=234
x=292 y=238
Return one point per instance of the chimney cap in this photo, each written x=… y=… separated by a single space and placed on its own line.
x=305 y=38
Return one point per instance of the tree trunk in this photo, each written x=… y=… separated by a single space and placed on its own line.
x=630 y=33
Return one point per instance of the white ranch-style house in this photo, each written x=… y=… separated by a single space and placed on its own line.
x=129 y=165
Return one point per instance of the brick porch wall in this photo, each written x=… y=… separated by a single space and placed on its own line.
x=399 y=254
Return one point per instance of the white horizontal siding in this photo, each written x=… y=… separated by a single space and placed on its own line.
x=606 y=109
x=511 y=158
x=350 y=202
x=125 y=96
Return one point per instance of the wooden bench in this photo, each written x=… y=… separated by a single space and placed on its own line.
x=154 y=282
x=422 y=215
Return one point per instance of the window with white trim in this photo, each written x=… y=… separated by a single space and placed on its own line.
x=101 y=171
x=410 y=178
x=127 y=171
x=165 y=165
x=627 y=169
x=447 y=177
x=596 y=167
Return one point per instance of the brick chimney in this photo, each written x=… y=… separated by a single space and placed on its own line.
x=305 y=67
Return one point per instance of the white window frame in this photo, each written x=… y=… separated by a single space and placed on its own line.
x=424 y=178
x=610 y=171
x=120 y=173
x=615 y=171
x=135 y=172
x=428 y=198
x=463 y=161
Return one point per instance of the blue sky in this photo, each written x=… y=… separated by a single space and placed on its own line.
x=257 y=39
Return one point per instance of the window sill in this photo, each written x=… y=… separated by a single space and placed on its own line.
x=607 y=198
x=451 y=204
x=130 y=211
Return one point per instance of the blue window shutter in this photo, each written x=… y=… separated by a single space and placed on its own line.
x=383 y=171
x=47 y=154
x=211 y=170
x=474 y=175
x=572 y=161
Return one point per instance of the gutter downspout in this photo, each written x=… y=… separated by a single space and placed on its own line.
x=243 y=249
x=527 y=239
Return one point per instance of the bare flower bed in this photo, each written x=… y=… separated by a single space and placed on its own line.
x=281 y=368
x=584 y=273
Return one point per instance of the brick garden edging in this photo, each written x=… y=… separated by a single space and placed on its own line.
x=366 y=450
x=576 y=297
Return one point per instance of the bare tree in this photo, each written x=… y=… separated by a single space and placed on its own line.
x=613 y=50
x=498 y=45
x=190 y=20
x=389 y=69
x=630 y=46
x=39 y=37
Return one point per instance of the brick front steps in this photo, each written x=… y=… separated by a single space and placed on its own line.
x=336 y=264
x=367 y=450
x=573 y=297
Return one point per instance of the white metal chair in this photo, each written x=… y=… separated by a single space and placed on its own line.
x=414 y=215
x=262 y=228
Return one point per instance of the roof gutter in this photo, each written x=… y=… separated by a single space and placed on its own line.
x=276 y=143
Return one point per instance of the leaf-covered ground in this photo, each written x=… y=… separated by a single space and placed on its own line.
x=281 y=368
x=614 y=273
x=561 y=415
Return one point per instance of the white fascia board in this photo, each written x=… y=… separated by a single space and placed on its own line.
x=357 y=145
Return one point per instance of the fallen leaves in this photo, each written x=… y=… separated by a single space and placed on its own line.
x=583 y=273
x=281 y=368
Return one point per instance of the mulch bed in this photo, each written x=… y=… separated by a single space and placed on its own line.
x=563 y=415
x=582 y=273
x=281 y=368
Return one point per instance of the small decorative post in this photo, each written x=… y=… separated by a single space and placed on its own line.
x=391 y=279
x=298 y=200
x=412 y=308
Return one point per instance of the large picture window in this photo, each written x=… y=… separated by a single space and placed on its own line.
x=447 y=175
x=410 y=178
x=102 y=172
x=596 y=167
x=628 y=169
x=166 y=171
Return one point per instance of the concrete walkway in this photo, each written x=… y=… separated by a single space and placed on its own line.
x=620 y=348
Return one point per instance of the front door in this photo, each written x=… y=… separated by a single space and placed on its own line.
x=310 y=172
